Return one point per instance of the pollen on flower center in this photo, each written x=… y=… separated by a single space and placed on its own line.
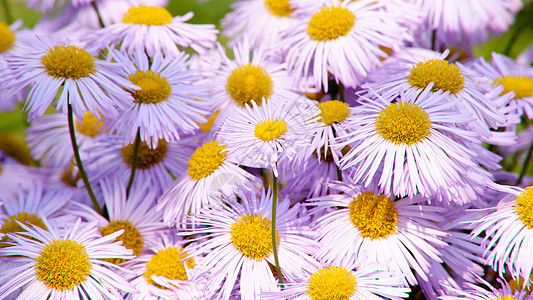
x=146 y=157
x=374 y=215
x=247 y=82
x=333 y=111
x=63 y=264
x=11 y=226
x=7 y=37
x=331 y=283
x=270 y=129
x=522 y=86
x=147 y=15
x=68 y=177
x=252 y=236
x=154 y=88
x=206 y=159
x=524 y=207
x=445 y=76
x=131 y=238
x=403 y=123
x=504 y=298
x=90 y=125
x=169 y=264
x=280 y=8
x=68 y=62
x=518 y=285
x=330 y=23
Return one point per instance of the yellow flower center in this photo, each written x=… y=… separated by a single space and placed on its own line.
x=7 y=37
x=403 y=123
x=248 y=83
x=206 y=159
x=445 y=76
x=169 y=264
x=333 y=111
x=131 y=238
x=62 y=265
x=68 y=62
x=68 y=176
x=147 y=15
x=11 y=226
x=374 y=215
x=519 y=285
x=524 y=207
x=504 y=298
x=210 y=121
x=90 y=125
x=16 y=148
x=280 y=8
x=270 y=129
x=252 y=235
x=154 y=88
x=522 y=86
x=331 y=283
x=330 y=23
x=146 y=157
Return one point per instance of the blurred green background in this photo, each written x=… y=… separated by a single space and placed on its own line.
x=211 y=12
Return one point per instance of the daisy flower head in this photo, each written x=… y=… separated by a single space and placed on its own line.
x=49 y=139
x=341 y=38
x=141 y=223
x=29 y=208
x=84 y=16
x=81 y=80
x=211 y=172
x=152 y=29
x=261 y=135
x=506 y=72
x=64 y=262
x=239 y=248
x=377 y=226
x=332 y=115
x=81 y=18
x=417 y=144
x=169 y=101
x=252 y=75
x=8 y=36
x=348 y=278
x=508 y=229
x=250 y=17
x=483 y=290
x=165 y=271
x=414 y=73
x=466 y=23
x=111 y=157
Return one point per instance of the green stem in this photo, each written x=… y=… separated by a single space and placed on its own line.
x=519 y=26
x=9 y=16
x=274 y=244
x=339 y=174
x=98 y=14
x=134 y=161
x=433 y=39
x=78 y=161
x=525 y=165
x=341 y=92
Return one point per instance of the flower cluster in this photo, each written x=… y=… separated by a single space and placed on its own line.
x=328 y=149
